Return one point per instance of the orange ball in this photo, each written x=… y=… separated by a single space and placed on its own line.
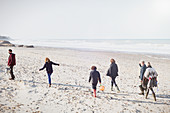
x=101 y=88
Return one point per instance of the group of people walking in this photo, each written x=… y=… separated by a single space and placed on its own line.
x=112 y=73
x=148 y=75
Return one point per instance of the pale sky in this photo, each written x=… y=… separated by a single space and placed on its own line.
x=81 y=19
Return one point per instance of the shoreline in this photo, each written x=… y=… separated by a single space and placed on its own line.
x=153 y=47
x=152 y=55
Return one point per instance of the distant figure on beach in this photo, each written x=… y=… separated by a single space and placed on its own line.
x=11 y=63
x=95 y=77
x=149 y=65
x=142 y=71
x=151 y=77
x=48 y=65
x=113 y=73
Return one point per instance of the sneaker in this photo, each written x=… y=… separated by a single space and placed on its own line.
x=49 y=85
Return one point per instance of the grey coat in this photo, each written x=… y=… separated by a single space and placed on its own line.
x=113 y=70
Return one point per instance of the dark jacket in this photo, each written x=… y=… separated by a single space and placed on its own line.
x=48 y=66
x=11 y=60
x=142 y=71
x=113 y=70
x=95 y=76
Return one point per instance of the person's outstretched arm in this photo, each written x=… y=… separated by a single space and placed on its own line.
x=55 y=63
x=43 y=67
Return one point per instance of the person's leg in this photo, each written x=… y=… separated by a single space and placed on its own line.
x=147 y=92
x=11 y=72
x=153 y=93
x=111 y=83
x=49 y=79
x=114 y=81
x=94 y=89
x=142 y=90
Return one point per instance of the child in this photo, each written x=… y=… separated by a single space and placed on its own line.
x=95 y=76
x=49 y=69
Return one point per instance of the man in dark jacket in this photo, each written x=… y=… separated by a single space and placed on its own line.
x=95 y=76
x=142 y=71
x=113 y=73
x=11 y=63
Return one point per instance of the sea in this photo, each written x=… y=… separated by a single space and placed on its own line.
x=150 y=46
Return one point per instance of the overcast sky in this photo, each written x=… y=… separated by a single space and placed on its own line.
x=80 y=19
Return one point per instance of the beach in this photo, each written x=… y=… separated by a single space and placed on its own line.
x=71 y=92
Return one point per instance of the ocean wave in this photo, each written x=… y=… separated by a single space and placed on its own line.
x=140 y=46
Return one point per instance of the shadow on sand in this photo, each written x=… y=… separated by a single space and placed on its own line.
x=55 y=84
x=139 y=101
x=109 y=93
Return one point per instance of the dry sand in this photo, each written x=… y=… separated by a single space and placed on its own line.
x=70 y=91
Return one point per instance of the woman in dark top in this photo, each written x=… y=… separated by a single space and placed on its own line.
x=95 y=77
x=113 y=73
x=48 y=65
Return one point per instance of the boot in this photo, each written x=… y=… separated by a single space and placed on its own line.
x=154 y=96
x=142 y=93
x=142 y=90
x=117 y=89
x=94 y=92
x=111 y=88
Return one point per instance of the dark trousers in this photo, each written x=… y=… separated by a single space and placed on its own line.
x=153 y=93
x=11 y=72
x=141 y=88
x=94 y=86
x=143 y=85
x=113 y=81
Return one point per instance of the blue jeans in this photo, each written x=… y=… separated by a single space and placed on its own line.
x=49 y=77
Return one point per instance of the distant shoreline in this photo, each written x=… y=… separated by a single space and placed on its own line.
x=133 y=46
x=154 y=55
x=151 y=55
